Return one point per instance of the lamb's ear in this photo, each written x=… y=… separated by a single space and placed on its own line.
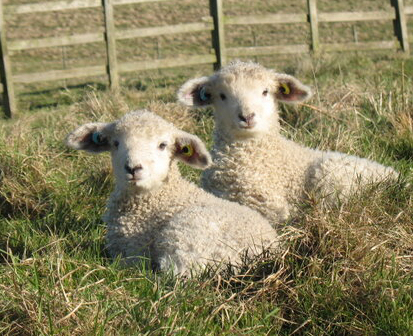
x=195 y=92
x=191 y=150
x=290 y=90
x=92 y=137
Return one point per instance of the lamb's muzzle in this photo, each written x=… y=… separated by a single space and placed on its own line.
x=135 y=173
x=247 y=121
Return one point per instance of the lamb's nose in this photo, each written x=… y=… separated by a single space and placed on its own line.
x=247 y=119
x=242 y=118
x=133 y=170
x=250 y=117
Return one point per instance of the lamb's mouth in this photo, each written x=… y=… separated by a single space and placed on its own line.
x=245 y=126
x=134 y=179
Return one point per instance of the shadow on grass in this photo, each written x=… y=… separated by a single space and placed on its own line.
x=11 y=246
x=49 y=215
x=49 y=98
x=15 y=321
x=402 y=149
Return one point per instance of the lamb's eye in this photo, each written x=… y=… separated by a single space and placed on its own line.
x=98 y=138
x=285 y=89
x=187 y=150
x=265 y=92
x=204 y=95
x=116 y=144
x=223 y=97
x=162 y=145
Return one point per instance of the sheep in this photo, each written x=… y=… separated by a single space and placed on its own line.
x=253 y=163
x=154 y=213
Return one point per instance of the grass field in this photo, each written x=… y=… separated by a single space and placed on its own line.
x=347 y=270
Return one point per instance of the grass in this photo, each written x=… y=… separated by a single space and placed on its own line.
x=346 y=271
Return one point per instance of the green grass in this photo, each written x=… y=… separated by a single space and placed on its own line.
x=347 y=270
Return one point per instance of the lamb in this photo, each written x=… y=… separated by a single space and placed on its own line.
x=154 y=212
x=253 y=163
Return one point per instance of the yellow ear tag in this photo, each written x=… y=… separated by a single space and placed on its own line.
x=187 y=150
x=285 y=89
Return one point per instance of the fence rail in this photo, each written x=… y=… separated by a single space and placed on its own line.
x=355 y=16
x=119 y=35
x=67 y=5
x=216 y=23
x=265 y=19
x=269 y=50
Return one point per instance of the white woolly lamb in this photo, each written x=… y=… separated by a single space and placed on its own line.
x=153 y=212
x=253 y=163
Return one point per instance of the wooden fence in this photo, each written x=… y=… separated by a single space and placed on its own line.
x=215 y=23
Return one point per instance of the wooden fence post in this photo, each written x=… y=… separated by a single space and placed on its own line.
x=218 y=37
x=5 y=71
x=400 y=25
x=313 y=19
x=112 y=63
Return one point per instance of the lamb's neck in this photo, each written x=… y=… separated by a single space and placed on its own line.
x=224 y=142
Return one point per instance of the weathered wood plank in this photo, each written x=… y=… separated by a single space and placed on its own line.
x=401 y=26
x=265 y=19
x=66 y=5
x=167 y=63
x=55 y=41
x=53 y=75
x=268 y=50
x=376 y=45
x=408 y=10
x=9 y=101
x=128 y=2
x=52 y=6
x=356 y=16
x=313 y=18
x=164 y=30
x=111 y=44
x=304 y=48
x=100 y=70
x=99 y=37
x=218 y=34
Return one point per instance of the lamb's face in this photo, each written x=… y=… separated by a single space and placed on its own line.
x=244 y=97
x=244 y=107
x=141 y=160
x=142 y=146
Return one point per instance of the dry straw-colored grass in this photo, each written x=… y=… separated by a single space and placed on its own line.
x=112 y=105
x=32 y=148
